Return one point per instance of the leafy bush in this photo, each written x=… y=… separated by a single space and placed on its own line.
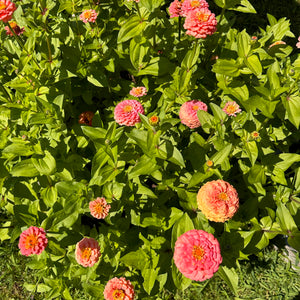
x=62 y=75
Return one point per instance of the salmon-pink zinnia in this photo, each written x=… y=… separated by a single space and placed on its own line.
x=138 y=91
x=127 y=112
x=99 y=208
x=87 y=252
x=188 y=113
x=88 y=15
x=33 y=241
x=298 y=44
x=175 y=9
x=17 y=30
x=7 y=9
x=200 y=23
x=218 y=200
x=231 y=108
x=189 y=5
x=197 y=254
x=118 y=289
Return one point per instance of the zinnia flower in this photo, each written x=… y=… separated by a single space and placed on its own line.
x=154 y=120
x=188 y=113
x=231 y=108
x=88 y=15
x=175 y=9
x=298 y=44
x=118 y=289
x=87 y=252
x=99 y=208
x=15 y=28
x=33 y=241
x=277 y=43
x=127 y=112
x=138 y=91
x=200 y=23
x=218 y=200
x=7 y=9
x=86 y=118
x=197 y=254
x=189 y=5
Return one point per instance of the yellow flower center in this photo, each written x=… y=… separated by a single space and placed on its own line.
x=2 y=5
x=195 y=3
x=202 y=17
x=99 y=208
x=13 y=24
x=127 y=108
x=87 y=14
x=31 y=241
x=86 y=253
x=195 y=107
x=118 y=295
x=223 y=196
x=138 y=90
x=231 y=109
x=198 y=252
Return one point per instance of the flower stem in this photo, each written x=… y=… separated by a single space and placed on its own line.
x=179 y=28
x=138 y=10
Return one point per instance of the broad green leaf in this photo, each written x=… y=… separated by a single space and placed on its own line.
x=285 y=218
x=257 y=174
x=245 y=7
x=230 y=277
x=132 y=27
x=253 y=63
x=183 y=225
x=221 y=155
x=287 y=159
x=49 y=195
x=180 y=281
x=226 y=67
x=199 y=177
x=45 y=165
x=145 y=165
x=191 y=57
x=217 y=111
x=136 y=259
x=158 y=66
x=294 y=240
x=243 y=44
x=292 y=106
x=24 y=168
x=252 y=151
x=149 y=276
x=171 y=153
x=206 y=120
x=19 y=148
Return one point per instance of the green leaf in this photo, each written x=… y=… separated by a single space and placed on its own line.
x=180 y=281
x=199 y=177
x=217 y=111
x=183 y=225
x=243 y=44
x=226 y=67
x=287 y=159
x=144 y=166
x=132 y=27
x=171 y=153
x=252 y=151
x=19 y=148
x=136 y=259
x=221 y=155
x=191 y=57
x=285 y=218
x=45 y=165
x=245 y=7
x=292 y=106
x=257 y=174
x=158 y=66
x=253 y=63
x=206 y=120
x=49 y=195
x=149 y=276
x=24 y=168
x=230 y=277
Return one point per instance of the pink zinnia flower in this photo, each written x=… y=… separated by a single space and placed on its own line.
x=7 y=9
x=231 y=108
x=138 y=91
x=33 y=241
x=200 y=23
x=99 y=208
x=218 y=200
x=88 y=15
x=189 y=5
x=87 y=252
x=188 y=113
x=175 y=9
x=298 y=44
x=15 y=28
x=127 y=112
x=197 y=254
x=118 y=289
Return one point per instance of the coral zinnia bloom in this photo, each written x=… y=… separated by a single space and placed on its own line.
x=197 y=254
x=188 y=113
x=7 y=9
x=99 y=208
x=298 y=44
x=15 y=28
x=200 y=23
x=33 y=241
x=231 y=108
x=175 y=9
x=86 y=118
x=87 y=252
x=127 y=112
x=218 y=200
x=118 y=289
x=138 y=91
x=189 y=5
x=88 y=15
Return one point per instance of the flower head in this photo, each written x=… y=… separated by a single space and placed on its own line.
x=218 y=200
x=15 y=28
x=127 y=112
x=188 y=113
x=189 y=5
x=154 y=120
x=33 y=241
x=86 y=118
x=197 y=254
x=231 y=108
x=200 y=23
x=138 y=91
x=7 y=9
x=277 y=43
x=175 y=9
x=118 y=289
x=88 y=15
x=87 y=252
x=99 y=208
x=298 y=44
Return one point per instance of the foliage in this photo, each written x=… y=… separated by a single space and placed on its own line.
x=52 y=167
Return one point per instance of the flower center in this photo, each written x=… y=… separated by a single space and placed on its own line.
x=2 y=5
x=118 y=295
x=195 y=3
x=198 y=252
x=138 y=90
x=99 y=208
x=87 y=14
x=231 y=109
x=31 y=241
x=202 y=17
x=195 y=107
x=127 y=108
x=223 y=196
x=255 y=134
x=86 y=253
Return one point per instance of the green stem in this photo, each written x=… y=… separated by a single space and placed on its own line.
x=138 y=10
x=222 y=15
x=179 y=28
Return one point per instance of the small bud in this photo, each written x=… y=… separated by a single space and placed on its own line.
x=210 y=163
x=24 y=137
x=255 y=135
x=154 y=120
